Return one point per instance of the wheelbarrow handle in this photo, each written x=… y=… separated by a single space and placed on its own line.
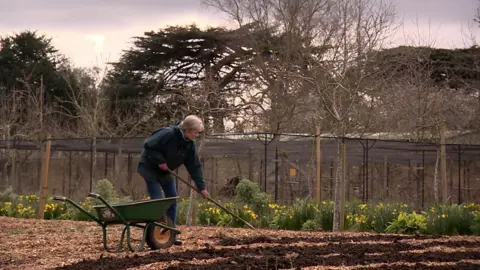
x=210 y=199
x=60 y=198
x=93 y=195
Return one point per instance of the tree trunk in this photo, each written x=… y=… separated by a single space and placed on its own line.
x=191 y=206
x=117 y=166
x=338 y=185
x=435 y=177
x=218 y=125
x=193 y=195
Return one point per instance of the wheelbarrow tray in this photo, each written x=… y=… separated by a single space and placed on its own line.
x=135 y=212
x=150 y=212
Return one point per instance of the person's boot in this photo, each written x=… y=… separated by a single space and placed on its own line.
x=177 y=242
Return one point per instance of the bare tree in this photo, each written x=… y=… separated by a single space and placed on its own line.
x=9 y=112
x=278 y=33
x=352 y=32
x=90 y=113
x=23 y=116
x=334 y=39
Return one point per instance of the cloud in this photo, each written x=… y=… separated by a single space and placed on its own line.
x=444 y=11
x=94 y=32
x=436 y=23
x=97 y=42
x=90 y=14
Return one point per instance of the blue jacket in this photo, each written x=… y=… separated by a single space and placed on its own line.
x=169 y=145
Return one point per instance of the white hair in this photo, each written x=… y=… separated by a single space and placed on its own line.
x=192 y=122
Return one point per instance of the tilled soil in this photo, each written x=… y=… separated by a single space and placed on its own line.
x=45 y=244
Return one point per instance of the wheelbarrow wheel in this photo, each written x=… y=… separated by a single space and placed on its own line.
x=158 y=237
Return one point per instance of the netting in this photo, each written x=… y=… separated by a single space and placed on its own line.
x=297 y=147
x=282 y=164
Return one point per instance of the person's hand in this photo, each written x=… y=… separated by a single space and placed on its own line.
x=205 y=194
x=163 y=166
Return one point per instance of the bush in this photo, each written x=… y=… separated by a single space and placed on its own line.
x=248 y=192
x=475 y=227
x=408 y=223
x=256 y=208
x=182 y=209
x=310 y=225
x=295 y=217
x=325 y=216
x=450 y=219
x=375 y=218
x=106 y=189
x=8 y=195
x=208 y=214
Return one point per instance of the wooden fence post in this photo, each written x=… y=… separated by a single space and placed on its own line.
x=443 y=162
x=46 y=149
x=318 y=196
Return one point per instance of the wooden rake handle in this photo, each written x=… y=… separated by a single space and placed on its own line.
x=211 y=200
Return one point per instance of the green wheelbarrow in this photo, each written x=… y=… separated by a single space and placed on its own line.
x=150 y=215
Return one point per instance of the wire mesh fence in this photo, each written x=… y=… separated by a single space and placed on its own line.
x=283 y=165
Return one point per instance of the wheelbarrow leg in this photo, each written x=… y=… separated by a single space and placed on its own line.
x=144 y=237
x=126 y=228
x=97 y=220
x=129 y=240
x=105 y=241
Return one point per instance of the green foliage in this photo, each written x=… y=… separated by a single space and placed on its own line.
x=248 y=192
x=30 y=53
x=459 y=64
x=325 y=217
x=102 y=187
x=374 y=217
x=106 y=189
x=28 y=63
x=451 y=219
x=171 y=63
x=382 y=215
x=182 y=211
x=27 y=52
x=301 y=215
x=310 y=225
x=8 y=195
x=73 y=213
x=294 y=217
x=409 y=223
x=27 y=206
x=475 y=227
x=208 y=214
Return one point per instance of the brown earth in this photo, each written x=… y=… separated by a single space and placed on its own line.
x=44 y=244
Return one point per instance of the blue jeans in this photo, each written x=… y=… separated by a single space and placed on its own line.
x=156 y=183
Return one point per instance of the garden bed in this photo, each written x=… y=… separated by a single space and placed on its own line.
x=65 y=244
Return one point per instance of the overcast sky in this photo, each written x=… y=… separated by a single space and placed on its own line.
x=91 y=32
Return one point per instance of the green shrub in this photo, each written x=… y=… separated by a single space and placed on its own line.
x=256 y=207
x=450 y=219
x=8 y=195
x=303 y=211
x=475 y=227
x=311 y=225
x=182 y=209
x=72 y=213
x=325 y=216
x=248 y=192
x=107 y=190
x=208 y=214
x=412 y=223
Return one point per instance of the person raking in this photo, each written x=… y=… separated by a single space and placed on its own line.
x=169 y=148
